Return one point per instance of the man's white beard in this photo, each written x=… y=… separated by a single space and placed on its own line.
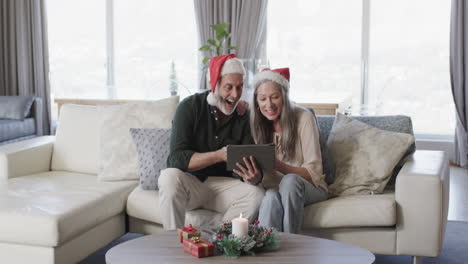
x=222 y=106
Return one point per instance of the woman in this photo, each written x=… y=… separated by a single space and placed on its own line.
x=297 y=179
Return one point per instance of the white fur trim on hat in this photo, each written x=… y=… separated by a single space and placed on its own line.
x=270 y=76
x=233 y=65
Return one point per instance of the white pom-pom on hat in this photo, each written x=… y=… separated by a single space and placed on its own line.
x=212 y=99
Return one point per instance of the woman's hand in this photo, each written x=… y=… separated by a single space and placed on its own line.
x=251 y=174
x=285 y=169
x=242 y=107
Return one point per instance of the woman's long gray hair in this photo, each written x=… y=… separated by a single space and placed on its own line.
x=262 y=128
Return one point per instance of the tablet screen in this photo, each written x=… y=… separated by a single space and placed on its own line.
x=264 y=155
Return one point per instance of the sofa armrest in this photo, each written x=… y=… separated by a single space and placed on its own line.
x=422 y=194
x=26 y=157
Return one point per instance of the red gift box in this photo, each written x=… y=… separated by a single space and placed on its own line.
x=188 y=232
x=199 y=249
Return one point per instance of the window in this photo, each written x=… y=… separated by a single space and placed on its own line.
x=154 y=40
x=325 y=43
x=151 y=46
x=77 y=54
x=409 y=63
x=319 y=41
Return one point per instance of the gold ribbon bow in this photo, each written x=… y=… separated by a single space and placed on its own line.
x=196 y=239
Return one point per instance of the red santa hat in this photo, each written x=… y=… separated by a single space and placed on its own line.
x=220 y=66
x=279 y=76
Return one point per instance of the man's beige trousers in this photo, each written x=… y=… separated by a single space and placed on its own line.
x=180 y=192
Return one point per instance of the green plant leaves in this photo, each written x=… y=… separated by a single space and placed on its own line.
x=215 y=47
x=205 y=48
x=213 y=42
x=221 y=30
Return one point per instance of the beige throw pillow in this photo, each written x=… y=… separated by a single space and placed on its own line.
x=118 y=155
x=364 y=156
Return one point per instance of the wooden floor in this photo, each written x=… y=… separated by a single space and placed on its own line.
x=458 y=208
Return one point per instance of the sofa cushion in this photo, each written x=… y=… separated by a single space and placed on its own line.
x=397 y=123
x=15 y=107
x=47 y=209
x=152 y=146
x=76 y=144
x=118 y=158
x=363 y=156
x=352 y=211
x=10 y=129
x=344 y=211
x=144 y=204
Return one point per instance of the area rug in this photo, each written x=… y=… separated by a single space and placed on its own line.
x=455 y=250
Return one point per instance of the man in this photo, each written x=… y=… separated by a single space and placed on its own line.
x=204 y=124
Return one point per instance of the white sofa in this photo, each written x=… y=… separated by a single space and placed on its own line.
x=54 y=210
x=408 y=219
x=52 y=207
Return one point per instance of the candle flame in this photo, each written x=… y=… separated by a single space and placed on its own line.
x=240 y=215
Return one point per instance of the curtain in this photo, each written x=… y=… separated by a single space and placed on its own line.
x=24 y=65
x=247 y=19
x=458 y=76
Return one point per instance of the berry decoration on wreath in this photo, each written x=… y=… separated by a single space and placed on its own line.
x=259 y=238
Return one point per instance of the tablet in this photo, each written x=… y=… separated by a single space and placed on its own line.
x=264 y=155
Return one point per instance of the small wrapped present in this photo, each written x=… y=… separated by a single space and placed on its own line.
x=198 y=247
x=188 y=232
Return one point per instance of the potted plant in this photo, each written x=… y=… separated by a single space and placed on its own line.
x=217 y=46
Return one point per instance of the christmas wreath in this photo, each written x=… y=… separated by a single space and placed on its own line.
x=259 y=238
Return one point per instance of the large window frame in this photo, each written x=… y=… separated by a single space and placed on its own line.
x=110 y=62
x=365 y=69
x=112 y=85
x=365 y=46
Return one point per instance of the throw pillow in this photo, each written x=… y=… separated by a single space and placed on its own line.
x=152 y=146
x=15 y=107
x=363 y=156
x=118 y=156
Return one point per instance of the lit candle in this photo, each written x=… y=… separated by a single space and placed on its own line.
x=240 y=226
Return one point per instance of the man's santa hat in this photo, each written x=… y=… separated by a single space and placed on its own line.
x=220 y=66
x=279 y=76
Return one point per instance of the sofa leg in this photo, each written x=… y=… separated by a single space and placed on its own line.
x=127 y=223
x=417 y=260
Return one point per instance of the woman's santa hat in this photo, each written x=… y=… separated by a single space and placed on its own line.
x=279 y=76
x=220 y=66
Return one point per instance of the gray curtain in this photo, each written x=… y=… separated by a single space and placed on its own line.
x=459 y=76
x=247 y=20
x=24 y=65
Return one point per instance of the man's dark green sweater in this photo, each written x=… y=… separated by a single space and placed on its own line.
x=196 y=128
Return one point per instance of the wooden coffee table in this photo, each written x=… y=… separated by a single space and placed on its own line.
x=165 y=248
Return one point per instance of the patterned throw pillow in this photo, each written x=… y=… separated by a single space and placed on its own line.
x=152 y=146
x=363 y=156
